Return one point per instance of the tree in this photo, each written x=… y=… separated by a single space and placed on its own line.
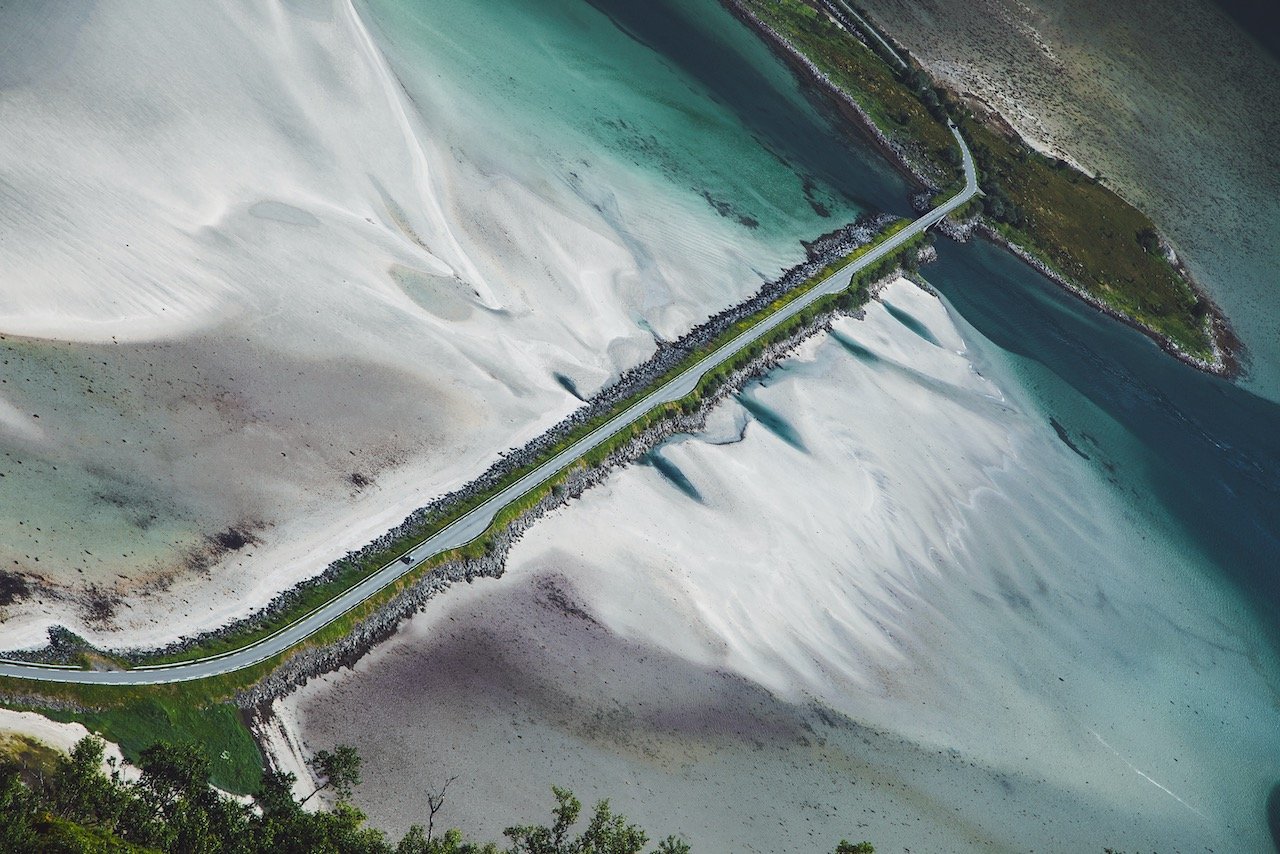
x=539 y=839
x=415 y=842
x=847 y=847
x=17 y=810
x=610 y=834
x=175 y=809
x=76 y=787
x=434 y=803
x=174 y=771
x=340 y=771
x=605 y=833
x=275 y=793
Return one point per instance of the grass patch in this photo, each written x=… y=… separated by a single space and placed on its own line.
x=233 y=757
x=1084 y=231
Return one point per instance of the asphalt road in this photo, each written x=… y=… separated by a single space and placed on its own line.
x=866 y=25
x=474 y=523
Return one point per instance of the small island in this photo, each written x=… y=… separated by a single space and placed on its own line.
x=1067 y=224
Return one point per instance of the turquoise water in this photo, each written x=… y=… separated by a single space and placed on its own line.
x=1201 y=449
x=679 y=99
x=1194 y=463
x=673 y=92
x=732 y=123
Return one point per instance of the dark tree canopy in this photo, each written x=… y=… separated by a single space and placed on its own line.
x=77 y=809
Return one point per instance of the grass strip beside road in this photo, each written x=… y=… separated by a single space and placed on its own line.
x=312 y=597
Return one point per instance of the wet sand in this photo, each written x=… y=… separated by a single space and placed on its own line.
x=880 y=582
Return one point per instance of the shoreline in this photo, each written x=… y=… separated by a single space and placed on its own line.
x=271 y=600
x=667 y=353
x=1227 y=347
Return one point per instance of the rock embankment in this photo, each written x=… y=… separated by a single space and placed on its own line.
x=383 y=623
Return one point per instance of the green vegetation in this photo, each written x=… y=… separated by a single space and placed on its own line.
x=235 y=763
x=847 y=847
x=77 y=809
x=1078 y=228
x=34 y=758
x=1085 y=232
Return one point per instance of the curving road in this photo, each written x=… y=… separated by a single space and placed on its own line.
x=474 y=523
x=866 y=25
